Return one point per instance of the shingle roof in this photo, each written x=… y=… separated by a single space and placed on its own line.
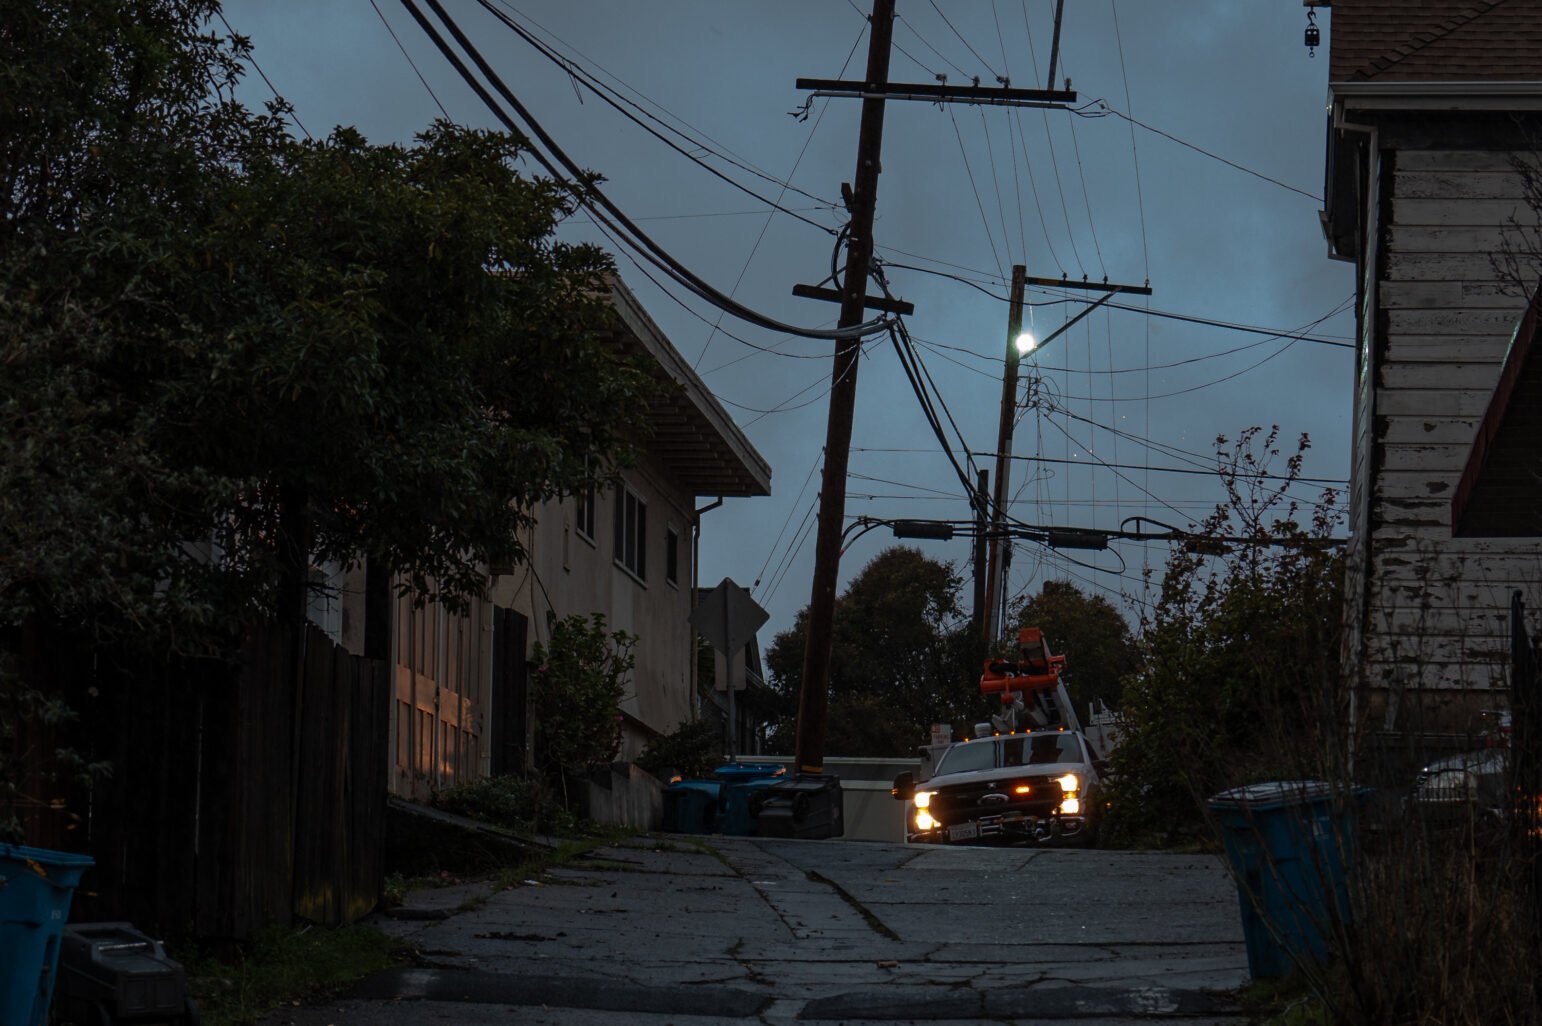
x=1435 y=40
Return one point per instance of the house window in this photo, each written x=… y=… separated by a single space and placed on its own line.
x=632 y=532
x=672 y=556
x=583 y=520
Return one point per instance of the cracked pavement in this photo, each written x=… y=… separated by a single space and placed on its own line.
x=659 y=930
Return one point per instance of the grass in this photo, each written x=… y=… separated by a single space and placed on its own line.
x=282 y=966
x=235 y=984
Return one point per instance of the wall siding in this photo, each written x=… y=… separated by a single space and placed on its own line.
x=1436 y=605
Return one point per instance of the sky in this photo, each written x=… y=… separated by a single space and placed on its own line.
x=1230 y=234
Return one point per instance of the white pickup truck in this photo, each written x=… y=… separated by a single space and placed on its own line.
x=1026 y=785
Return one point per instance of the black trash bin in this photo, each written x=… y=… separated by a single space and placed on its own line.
x=809 y=806
x=112 y=973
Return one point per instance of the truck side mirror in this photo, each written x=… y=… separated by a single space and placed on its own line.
x=904 y=787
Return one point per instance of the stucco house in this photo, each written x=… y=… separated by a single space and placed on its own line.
x=1431 y=105
x=460 y=709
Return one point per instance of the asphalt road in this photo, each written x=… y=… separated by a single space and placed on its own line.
x=660 y=931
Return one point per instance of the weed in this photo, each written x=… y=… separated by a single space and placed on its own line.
x=235 y=986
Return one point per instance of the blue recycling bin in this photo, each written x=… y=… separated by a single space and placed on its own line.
x=739 y=809
x=690 y=806
x=1288 y=846
x=731 y=772
x=36 y=886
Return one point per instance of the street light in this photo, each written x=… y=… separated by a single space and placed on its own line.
x=1026 y=343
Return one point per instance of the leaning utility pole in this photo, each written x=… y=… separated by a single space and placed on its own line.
x=995 y=597
x=813 y=696
x=874 y=89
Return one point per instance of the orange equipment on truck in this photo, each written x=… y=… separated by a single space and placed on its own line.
x=1030 y=686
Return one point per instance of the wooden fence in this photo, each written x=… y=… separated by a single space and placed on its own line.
x=239 y=796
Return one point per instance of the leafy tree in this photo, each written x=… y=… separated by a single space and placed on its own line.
x=898 y=660
x=1239 y=680
x=225 y=352
x=1095 y=639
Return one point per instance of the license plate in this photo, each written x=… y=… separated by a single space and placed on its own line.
x=963 y=831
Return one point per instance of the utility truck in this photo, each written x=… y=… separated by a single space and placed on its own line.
x=1028 y=774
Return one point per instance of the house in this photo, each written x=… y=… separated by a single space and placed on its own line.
x=1431 y=106
x=460 y=708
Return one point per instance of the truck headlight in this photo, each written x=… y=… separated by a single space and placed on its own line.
x=1069 y=784
x=923 y=799
x=924 y=820
x=1070 y=806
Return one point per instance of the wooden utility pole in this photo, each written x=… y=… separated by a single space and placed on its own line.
x=874 y=89
x=995 y=594
x=981 y=530
x=813 y=697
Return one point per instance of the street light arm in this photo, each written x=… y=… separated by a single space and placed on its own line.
x=1068 y=324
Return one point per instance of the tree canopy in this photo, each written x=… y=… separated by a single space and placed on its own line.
x=899 y=659
x=1093 y=636
x=222 y=348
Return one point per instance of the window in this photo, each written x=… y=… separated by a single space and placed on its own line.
x=632 y=532
x=672 y=556
x=583 y=520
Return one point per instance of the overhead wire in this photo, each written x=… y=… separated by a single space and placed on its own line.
x=983 y=62
x=717 y=148
x=586 y=191
x=582 y=77
x=414 y=64
x=766 y=226
x=286 y=106
x=979 y=204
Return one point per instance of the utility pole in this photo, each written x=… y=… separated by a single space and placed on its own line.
x=981 y=488
x=813 y=697
x=995 y=593
x=874 y=89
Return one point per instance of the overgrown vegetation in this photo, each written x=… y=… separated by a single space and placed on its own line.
x=580 y=676
x=1239 y=677
x=693 y=749
x=235 y=986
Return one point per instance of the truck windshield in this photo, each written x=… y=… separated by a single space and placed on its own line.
x=1018 y=750
x=961 y=758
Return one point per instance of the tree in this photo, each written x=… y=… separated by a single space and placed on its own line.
x=225 y=352
x=1095 y=639
x=898 y=660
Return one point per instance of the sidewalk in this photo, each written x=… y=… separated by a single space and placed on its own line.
x=657 y=929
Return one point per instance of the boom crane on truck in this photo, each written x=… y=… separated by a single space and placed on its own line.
x=1030 y=689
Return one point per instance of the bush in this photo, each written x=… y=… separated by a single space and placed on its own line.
x=693 y=749
x=579 y=679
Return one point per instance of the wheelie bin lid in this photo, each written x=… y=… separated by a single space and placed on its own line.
x=736 y=771
x=1276 y=794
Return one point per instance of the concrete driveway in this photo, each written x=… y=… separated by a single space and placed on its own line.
x=696 y=930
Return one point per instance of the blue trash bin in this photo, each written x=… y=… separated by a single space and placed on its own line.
x=690 y=806
x=36 y=886
x=1288 y=846
x=739 y=811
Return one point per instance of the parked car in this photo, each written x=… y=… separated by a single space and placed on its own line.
x=1467 y=788
x=1037 y=785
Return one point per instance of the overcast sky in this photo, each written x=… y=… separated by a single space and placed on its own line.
x=965 y=190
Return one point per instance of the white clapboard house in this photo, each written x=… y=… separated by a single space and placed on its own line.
x=1431 y=105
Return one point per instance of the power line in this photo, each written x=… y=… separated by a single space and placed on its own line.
x=284 y=104
x=584 y=190
x=717 y=147
x=961 y=39
x=579 y=75
x=381 y=15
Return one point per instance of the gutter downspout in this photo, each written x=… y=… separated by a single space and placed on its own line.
x=695 y=593
x=1340 y=122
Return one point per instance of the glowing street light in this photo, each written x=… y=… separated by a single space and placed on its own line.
x=1025 y=343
